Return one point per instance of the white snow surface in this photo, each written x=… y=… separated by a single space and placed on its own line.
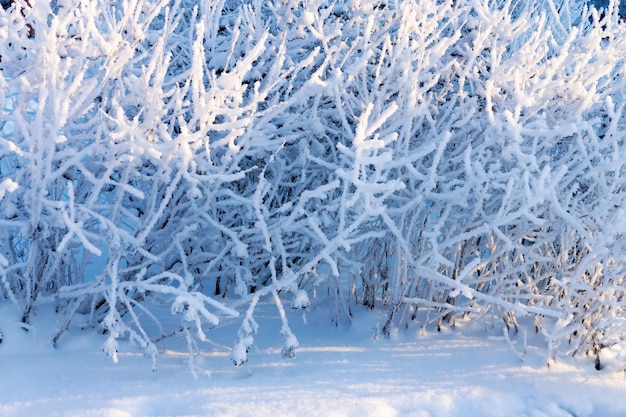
x=338 y=371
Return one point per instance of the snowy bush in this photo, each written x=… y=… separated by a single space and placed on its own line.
x=445 y=159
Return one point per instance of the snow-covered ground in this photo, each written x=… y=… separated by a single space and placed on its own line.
x=342 y=371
